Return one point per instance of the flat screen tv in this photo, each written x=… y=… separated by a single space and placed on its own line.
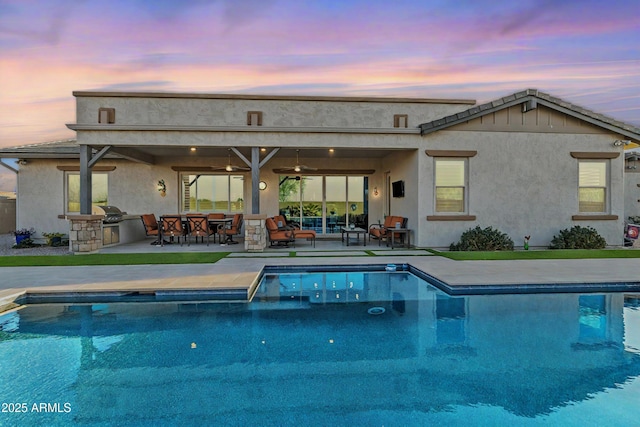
x=397 y=188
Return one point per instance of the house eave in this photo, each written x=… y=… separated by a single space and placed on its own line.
x=259 y=129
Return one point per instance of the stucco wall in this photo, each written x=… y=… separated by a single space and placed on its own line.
x=132 y=188
x=631 y=194
x=522 y=184
x=288 y=113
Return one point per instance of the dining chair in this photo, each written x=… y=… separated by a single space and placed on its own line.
x=197 y=226
x=172 y=228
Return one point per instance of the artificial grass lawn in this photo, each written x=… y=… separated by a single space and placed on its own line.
x=111 y=259
x=540 y=254
x=212 y=257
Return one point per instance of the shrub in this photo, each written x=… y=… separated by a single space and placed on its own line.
x=634 y=219
x=478 y=239
x=578 y=238
x=25 y=243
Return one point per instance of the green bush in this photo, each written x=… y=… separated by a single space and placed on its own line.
x=478 y=239
x=578 y=238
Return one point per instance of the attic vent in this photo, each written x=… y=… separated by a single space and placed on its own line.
x=400 y=120
x=254 y=118
x=106 y=115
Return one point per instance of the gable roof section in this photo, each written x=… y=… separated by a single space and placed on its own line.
x=531 y=98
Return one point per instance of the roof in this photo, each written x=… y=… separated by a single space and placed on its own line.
x=533 y=97
x=63 y=149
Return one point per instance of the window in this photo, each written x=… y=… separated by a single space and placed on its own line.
x=212 y=193
x=592 y=185
x=450 y=185
x=99 y=190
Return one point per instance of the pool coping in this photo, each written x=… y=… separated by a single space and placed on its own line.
x=236 y=279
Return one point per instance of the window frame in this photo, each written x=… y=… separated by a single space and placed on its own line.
x=465 y=187
x=229 y=177
x=606 y=187
x=66 y=200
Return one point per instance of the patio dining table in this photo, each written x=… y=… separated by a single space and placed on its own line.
x=214 y=224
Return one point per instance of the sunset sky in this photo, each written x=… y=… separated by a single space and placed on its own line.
x=587 y=52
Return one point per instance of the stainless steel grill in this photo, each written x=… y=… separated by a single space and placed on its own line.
x=111 y=214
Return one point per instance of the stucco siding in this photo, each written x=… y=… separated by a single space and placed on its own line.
x=525 y=184
x=631 y=194
x=223 y=112
x=41 y=197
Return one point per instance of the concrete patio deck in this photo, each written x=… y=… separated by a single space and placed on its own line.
x=240 y=270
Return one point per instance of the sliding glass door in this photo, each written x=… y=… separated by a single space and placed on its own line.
x=324 y=203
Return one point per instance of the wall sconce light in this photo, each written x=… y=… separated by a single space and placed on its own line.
x=262 y=185
x=162 y=188
x=375 y=191
x=620 y=142
x=631 y=159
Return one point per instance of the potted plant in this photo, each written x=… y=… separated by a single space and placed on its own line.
x=54 y=239
x=23 y=234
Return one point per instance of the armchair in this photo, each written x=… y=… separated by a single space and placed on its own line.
x=278 y=236
x=380 y=231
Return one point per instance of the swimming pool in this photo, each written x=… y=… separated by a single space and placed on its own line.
x=327 y=348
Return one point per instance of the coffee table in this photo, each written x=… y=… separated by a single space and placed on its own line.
x=357 y=231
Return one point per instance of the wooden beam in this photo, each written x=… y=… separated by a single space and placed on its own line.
x=326 y=172
x=71 y=168
x=99 y=155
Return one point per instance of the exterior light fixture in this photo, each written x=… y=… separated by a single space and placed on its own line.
x=620 y=142
x=193 y=148
x=331 y=150
x=262 y=185
x=375 y=191
x=162 y=188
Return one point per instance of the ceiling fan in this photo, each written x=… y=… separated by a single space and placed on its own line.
x=230 y=167
x=298 y=167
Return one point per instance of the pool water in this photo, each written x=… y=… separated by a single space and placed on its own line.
x=355 y=348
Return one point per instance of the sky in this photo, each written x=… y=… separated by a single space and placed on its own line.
x=586 y=52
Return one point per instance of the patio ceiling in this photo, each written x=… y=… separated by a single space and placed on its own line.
x=69 y=149
x=288 y=152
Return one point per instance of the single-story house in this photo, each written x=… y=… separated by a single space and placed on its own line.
x=526 y=164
